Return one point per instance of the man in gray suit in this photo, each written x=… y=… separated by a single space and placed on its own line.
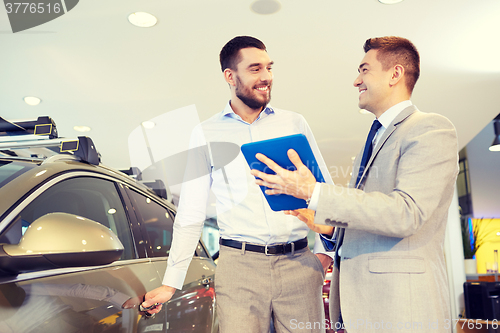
x=390 y=223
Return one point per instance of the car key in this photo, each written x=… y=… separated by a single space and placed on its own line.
x=145 y=312
x=143 y=309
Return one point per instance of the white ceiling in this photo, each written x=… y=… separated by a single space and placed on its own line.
x=92 y=67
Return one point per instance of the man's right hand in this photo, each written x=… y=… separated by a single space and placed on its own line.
x=159 y=295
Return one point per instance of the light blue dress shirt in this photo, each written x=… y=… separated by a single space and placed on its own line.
x=243 y=213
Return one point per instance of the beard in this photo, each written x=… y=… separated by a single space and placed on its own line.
x=248 y=97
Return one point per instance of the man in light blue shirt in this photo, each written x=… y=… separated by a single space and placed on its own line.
x=264 y=259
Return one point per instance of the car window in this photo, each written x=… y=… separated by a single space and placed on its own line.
x=92 y=198
x=10 y=170
x=157 y=222
x=201 y=252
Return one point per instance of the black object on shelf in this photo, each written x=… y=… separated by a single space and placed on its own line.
x=482 y=300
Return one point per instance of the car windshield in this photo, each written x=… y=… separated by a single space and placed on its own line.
x=10 y=170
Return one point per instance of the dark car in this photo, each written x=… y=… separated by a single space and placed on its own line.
x=80 y=243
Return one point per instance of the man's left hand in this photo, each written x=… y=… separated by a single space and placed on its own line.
x=307 y=216
x=299 y=183
x=325 y=260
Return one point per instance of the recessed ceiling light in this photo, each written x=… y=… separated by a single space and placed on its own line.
x=389 y=2
x=82 y=128
x=142 y=19
x=30 y=100
x=265 y=7
x=148 y=124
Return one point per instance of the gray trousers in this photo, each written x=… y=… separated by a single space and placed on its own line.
x=251 y=287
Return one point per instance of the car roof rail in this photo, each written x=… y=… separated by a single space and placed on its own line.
x=61 y=157
x=38 y=138
x=133 y=172
x=82 y=147
x=28 y=128
x=158 y=186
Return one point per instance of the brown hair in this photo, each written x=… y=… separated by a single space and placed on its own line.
x=397 y=51
x=230 y=54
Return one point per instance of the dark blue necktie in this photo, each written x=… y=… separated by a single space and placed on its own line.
x=367 y=153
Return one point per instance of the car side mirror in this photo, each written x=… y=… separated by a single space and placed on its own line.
x=58 y=240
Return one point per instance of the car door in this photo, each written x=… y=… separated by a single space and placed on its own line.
x=191 y=309
x=82 y=299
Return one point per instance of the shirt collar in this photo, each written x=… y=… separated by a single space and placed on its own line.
x=390 y=114
x=228 y=112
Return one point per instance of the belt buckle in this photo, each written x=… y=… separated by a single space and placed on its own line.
x=265 y=251
x=270 y=254
x=282 y=246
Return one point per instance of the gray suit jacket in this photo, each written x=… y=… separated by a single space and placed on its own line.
x=392 y=269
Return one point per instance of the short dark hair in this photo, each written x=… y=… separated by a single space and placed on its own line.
x=230 y=54
x=397 y=50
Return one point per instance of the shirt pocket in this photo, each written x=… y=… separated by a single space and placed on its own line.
x=403 y=264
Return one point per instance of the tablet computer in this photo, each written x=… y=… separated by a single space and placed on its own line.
x=276 y=149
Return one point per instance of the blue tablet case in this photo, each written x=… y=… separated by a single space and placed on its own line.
x=276 y=149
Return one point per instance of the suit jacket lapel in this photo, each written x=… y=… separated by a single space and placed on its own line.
x=388 y=132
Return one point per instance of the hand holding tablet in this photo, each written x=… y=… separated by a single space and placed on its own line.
x=283 y=186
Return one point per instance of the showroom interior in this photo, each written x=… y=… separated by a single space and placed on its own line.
x=138 y=90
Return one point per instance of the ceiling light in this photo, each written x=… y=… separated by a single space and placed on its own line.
x=495 y=146
x=143 y=20
x=82 y=128
x=148 y=124
x=30 y=100
x=389 y=2
x=265 y=7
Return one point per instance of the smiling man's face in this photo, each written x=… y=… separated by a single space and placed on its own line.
x=373 y=84
x=254 y=78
